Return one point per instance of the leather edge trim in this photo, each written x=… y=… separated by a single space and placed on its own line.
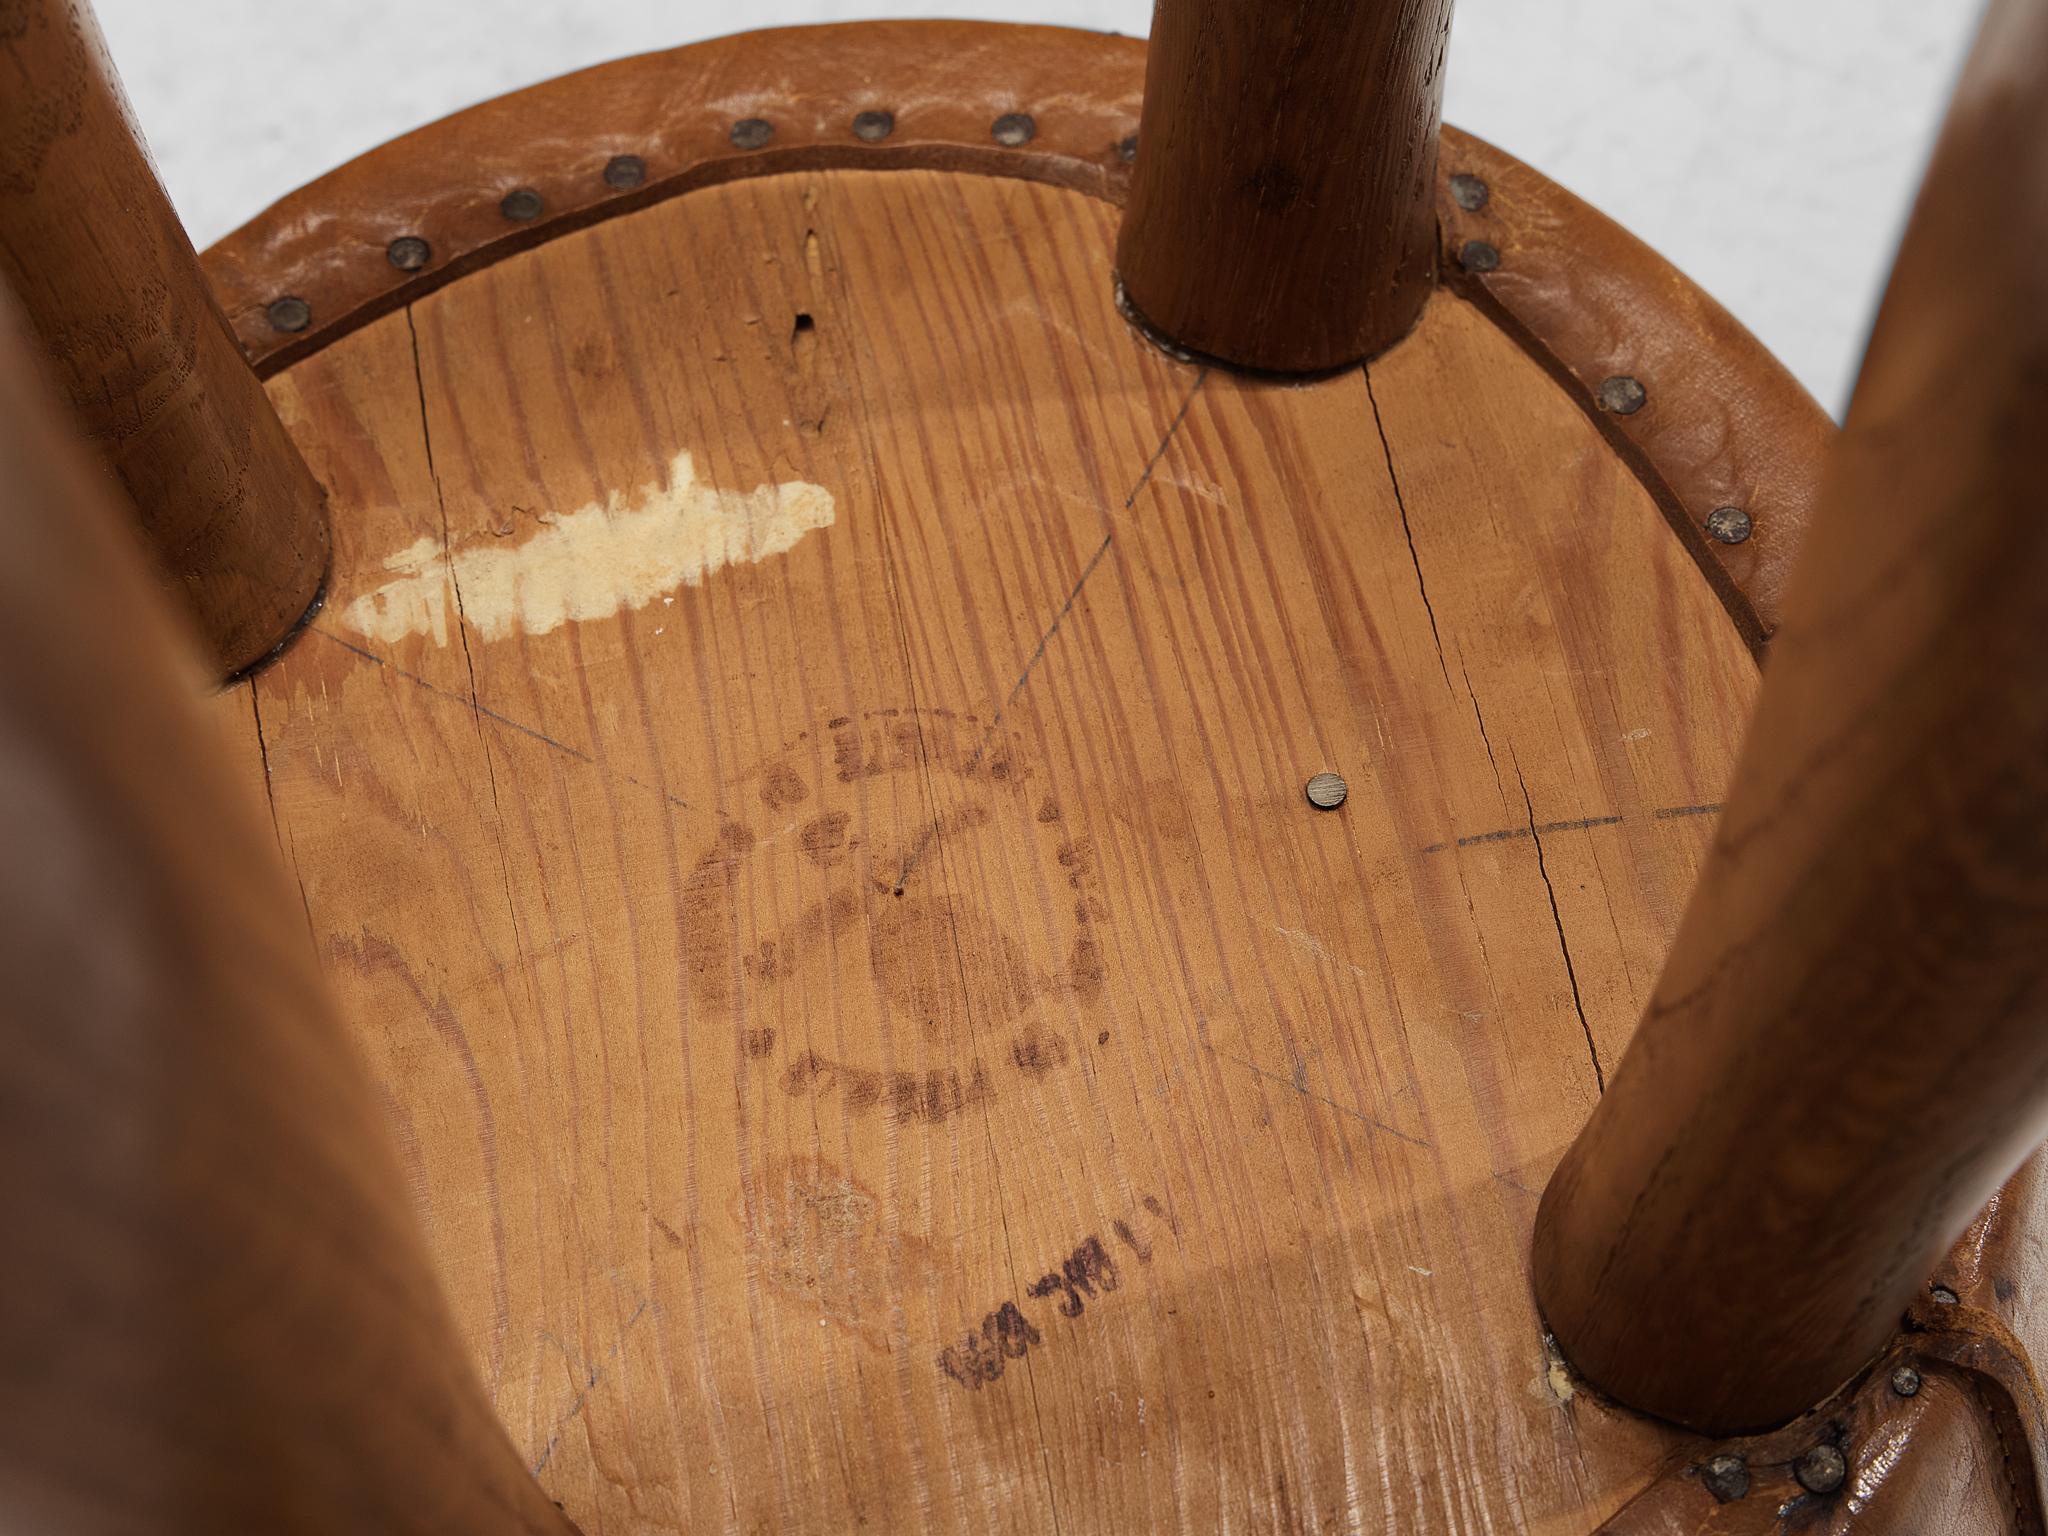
x=1716 y=421
x=677 y=113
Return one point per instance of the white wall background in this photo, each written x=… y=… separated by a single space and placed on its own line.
x=1768 y=147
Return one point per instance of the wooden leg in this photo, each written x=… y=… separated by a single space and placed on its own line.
x=215 y=1312
x=1280 y=214
x=1848 y=1050
x=93 y=252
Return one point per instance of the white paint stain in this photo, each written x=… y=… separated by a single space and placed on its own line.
x=602 y=559
x=1554 y=1382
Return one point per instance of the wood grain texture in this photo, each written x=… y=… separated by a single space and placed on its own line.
x=92 y=251
x=1280 y=217
x=1163 y=1156
x=216 y=1310
x=1847 y=1052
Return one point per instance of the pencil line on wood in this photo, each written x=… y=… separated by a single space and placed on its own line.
x=493 y=715
x=1309 y=1093
x=995 y=725
x=1582 y=824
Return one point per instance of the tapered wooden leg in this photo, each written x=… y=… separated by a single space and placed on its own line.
x=1848 y=1050
x=1280 y=214
x=215 y=1312
x=95 y=255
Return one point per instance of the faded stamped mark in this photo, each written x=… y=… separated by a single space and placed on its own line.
x=821 y=1240
x=988 y=1002
x=602 y=559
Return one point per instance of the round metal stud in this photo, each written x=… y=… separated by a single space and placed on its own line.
x=1943 y=1296
x=873 y=127
x=409 y=253
x=1730 y=525
x=1905 y=1381
x=290 y=313
x=1622 y=395
x=521 y=204
x=1127 y=148
x=622 y=173
x=752 y=132
x=1726 y=1478
x=1326 y=791
x=1478 y=256
x=1821 y=1470
x=1468 y=192
x=1013 y=129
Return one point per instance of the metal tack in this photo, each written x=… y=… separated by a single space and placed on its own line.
x=1013 y=129
x=622 y=173
x=752 y=132
x=873 y=127
x=1326 y=791
x=1127 y=148
x=1478 y=256
x=1821 y=1470
x=1468 y=192
x=409 y=253
x=1726 y=1478
x=1905 y=1381
x=520 y=204
x=1730 y=525
x=1622 y=395
x=290 y=313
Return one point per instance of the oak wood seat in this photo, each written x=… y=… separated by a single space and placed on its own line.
x=877 y=1033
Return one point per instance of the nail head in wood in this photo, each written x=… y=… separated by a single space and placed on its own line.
x=1127 y=148
x=409 y=253
x=873 y=127
x=1730 y=525
x=290 y=313
x=1905 y=1381
x=520 y=205
x=1468 y=192
x=622 y=173
x=1622 y=395
x=1013 y=130
x=1326 y=791
x=1726 y=1478
x=1478 y=256
x=752 y=132
x=1821 y=1470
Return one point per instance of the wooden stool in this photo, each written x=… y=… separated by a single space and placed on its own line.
x=999 y=773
